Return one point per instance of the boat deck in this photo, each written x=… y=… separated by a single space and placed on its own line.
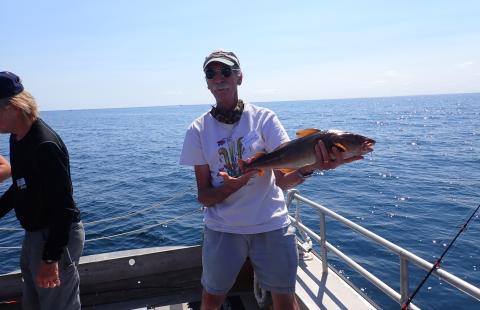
x=318 y=290
x=244 y=301
x=169 y=278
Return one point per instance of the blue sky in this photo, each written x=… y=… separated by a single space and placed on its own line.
x=96 y=54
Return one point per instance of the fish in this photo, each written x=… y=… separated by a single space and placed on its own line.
x=301 y=151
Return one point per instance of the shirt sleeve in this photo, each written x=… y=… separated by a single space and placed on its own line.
x=6 y=201
x=274 y=134
x=57 y=192
x=192 y=151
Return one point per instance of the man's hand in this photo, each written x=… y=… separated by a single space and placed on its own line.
x=323 y=161
x=48 y=276
x=208 y=195
x=234 y=184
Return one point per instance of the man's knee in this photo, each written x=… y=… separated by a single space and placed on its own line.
x=210 y=301
x=284 y=301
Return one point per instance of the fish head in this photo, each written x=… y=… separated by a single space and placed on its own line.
x=351 y=144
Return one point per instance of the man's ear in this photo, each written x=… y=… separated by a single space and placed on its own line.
x=206 y=82
x=240 y=78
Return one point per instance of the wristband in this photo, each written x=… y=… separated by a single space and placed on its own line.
x=306 y=175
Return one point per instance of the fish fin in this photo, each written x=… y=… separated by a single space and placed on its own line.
x=256 y=156
x=341 y=147
x=306 y=132
x=242 y=163
x=286 y=170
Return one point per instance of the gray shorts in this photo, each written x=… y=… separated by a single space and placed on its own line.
x=67 y=295
x=273 y=254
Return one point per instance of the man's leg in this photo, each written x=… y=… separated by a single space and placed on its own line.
x=274 y=257
x=223 y=255
x=284 y=301
x=67 y=295
x=30 y=300
x=210 y=301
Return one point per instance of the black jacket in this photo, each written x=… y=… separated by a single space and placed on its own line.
x=41 y=193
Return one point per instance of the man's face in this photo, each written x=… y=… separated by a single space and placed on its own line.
x=7 y=119
x=223 y=88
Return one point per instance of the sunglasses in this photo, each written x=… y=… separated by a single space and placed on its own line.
x=225 y=71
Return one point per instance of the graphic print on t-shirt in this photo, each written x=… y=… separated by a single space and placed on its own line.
x=230 y=150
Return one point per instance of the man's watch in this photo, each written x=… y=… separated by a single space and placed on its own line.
x=305 y=175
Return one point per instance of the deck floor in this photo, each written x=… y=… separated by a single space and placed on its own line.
x=244 y=301
x=318 y=290
x=170 y=279
x=314 y=290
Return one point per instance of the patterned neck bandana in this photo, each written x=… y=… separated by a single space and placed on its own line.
x=228 y=117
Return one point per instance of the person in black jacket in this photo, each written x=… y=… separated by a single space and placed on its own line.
x=42 y=196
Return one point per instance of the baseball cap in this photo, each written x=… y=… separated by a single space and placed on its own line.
x=10 y=84
x=225 y=57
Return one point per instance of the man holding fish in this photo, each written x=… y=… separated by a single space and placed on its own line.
x=242 y=191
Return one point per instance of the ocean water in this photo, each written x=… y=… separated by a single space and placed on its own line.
x=416 y=189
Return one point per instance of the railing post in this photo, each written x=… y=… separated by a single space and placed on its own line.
x=289 y=198
x=323 y=243
x=403 y=280
x=307 y=245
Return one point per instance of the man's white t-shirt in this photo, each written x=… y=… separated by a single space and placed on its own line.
x=257 y=207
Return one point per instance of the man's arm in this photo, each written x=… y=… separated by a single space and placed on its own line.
x=209 y=195
x=57 y=194
x=57 y=198
x=5 y=170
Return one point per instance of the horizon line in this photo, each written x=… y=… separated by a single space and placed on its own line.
x=278 y=101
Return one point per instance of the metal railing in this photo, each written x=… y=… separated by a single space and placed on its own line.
x=405 y=256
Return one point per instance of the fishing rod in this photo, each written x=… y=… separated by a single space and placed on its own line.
x=437 y=263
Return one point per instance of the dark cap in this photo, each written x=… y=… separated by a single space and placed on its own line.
x=225 y=57
x=10 y=84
